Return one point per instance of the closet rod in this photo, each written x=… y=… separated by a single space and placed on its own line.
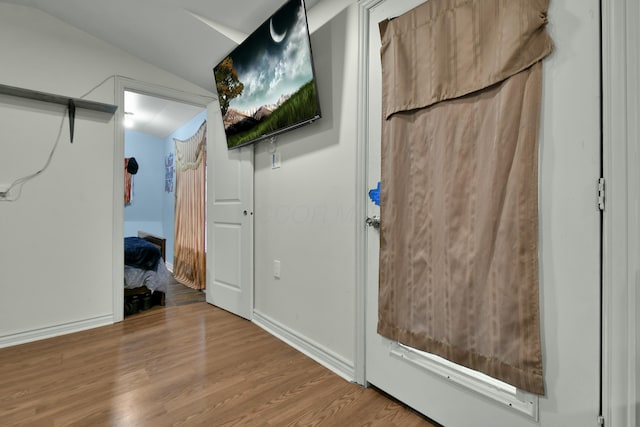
x=72 y=103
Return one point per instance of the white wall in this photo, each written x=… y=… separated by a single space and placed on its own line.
x=304 y=211
x=56 y=240
x=145 y=212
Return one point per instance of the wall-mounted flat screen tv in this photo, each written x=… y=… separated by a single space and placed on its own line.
x=267 y=84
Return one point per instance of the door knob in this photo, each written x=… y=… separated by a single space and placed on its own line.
x=373 y=221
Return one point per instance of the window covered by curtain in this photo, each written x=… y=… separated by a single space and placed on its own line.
x=459 y=234
x=189 y=257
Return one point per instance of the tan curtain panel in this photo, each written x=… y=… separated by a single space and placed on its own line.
x=189 y=258
x=459 y=207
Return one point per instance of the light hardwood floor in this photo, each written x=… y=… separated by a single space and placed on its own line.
x=188 y=365
x=179 y=294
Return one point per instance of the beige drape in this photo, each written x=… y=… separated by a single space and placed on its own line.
x=458 y=252
x=189 y=258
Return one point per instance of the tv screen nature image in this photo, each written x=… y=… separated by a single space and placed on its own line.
x=266 y=85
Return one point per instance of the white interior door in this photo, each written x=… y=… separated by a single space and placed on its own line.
x=229 y=221
x=569 y=243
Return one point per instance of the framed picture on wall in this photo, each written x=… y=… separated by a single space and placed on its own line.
x=169 y=172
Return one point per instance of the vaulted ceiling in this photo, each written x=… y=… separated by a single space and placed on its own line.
x=185 y=37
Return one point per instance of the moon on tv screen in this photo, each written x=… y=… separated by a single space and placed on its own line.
x=274 y=35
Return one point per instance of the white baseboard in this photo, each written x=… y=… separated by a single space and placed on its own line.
x=317 y=352
x=54 y=331
x=169 y=266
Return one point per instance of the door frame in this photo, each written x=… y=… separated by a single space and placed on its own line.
x=362 y=155
x=620 y=38
x=123 y=84
x=621 y=227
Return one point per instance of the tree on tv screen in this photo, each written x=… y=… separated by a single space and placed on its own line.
x=228 y=85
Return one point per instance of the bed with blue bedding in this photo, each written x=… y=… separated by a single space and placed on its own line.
x=146 y=276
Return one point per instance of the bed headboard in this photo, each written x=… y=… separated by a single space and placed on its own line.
x=158 y=241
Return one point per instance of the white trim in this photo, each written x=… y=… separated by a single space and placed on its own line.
x=123 y=84
x=487 y=386
x=621 y=262
x=362 y=150
x=317 y=352
x=54 y=331
x=633 y=161
x=361 y=189
x=117 y=228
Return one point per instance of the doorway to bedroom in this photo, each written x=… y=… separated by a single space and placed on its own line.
x=159 y=136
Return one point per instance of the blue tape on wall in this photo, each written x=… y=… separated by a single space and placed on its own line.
x=374 y=195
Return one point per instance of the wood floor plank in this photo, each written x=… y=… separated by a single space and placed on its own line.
x=182 y=365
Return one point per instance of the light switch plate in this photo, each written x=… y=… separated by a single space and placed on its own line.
x=276 y=160
x=276 y=268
